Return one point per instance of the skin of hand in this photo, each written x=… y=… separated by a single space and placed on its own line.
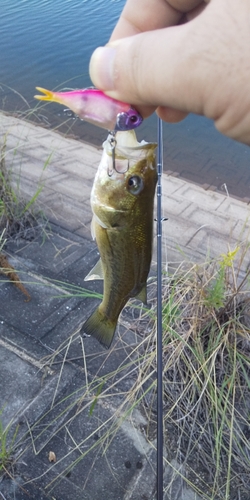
x=181 y=56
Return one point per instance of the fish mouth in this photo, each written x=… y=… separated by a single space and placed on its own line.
x=119 y=166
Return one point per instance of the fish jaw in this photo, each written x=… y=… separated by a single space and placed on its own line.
x=93 y=106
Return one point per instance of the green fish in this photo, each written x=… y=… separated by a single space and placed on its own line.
x=122 y=201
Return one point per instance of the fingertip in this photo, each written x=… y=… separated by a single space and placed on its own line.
x=101 y=68
x=145 y=111
x=170 y=115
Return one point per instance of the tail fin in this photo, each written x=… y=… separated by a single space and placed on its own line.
x=49 y=96
x=100 y=327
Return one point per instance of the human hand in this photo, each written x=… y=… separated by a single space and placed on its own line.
x=201 y=66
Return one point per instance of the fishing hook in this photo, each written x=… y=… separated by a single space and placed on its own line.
x=112 y=142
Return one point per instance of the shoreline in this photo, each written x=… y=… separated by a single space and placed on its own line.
x=198 y=219
x=100 y=137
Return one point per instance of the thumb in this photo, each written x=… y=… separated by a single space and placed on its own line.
x=154 y=68
x=201 y=67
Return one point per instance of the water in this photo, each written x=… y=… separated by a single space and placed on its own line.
x=48 y=43
x=51 y=41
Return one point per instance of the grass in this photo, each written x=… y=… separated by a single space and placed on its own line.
x=7 y=445
x=18 y=217
x=206 y=345
x=206 y=373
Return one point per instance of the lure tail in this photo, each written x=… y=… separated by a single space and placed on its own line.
x=100 y=327
x=49 y=96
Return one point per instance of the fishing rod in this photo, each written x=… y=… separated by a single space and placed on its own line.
x=159 y=316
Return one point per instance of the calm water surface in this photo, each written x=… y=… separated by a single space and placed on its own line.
x=49 y=43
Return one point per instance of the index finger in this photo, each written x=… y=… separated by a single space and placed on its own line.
x=148 y=15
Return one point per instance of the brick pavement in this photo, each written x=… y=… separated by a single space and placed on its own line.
x=197 y=217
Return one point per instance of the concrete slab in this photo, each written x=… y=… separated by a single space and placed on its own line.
x=93 y=455
x=51 y=253
x=40 y=314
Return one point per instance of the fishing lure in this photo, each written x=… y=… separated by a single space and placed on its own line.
x=93 y=106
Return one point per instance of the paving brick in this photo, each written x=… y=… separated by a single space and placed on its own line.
x=171 y=185
x=79 y=168
x=237 y=209
x=201 y=197
x=174 y=205
x=50 y=256
x=77 y=441
x=13 y=393
x=199 y=216
x=65 y=211
x=42 y=312
x=75 y=189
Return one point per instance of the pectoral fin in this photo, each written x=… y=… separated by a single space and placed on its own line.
x=96 y=273
x=92 y=227
x=96 y=220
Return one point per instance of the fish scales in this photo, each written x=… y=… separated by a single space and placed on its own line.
x=122 y=204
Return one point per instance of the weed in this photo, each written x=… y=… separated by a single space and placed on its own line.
x=7 y=445
x=206 y=348
x=206 y=375
x=17 y=216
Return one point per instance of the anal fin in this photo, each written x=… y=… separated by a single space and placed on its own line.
x=142 y=295
x=96 y=273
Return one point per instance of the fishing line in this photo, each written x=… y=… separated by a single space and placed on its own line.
x=159 y=316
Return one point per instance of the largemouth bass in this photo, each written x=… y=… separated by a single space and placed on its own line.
x=122 y=202
x=93 y=106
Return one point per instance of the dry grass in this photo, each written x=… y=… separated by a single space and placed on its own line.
x=206 y=344
x=18 y=217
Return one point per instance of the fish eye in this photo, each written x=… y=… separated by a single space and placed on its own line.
x=135 y=184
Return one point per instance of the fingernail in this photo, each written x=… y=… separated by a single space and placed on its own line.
x=101 y=68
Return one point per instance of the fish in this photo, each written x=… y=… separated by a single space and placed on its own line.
x=93 y=106
x=122 y=201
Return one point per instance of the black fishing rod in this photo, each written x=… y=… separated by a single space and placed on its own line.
x=159 y=316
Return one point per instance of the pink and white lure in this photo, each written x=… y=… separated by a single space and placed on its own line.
x=93 y=106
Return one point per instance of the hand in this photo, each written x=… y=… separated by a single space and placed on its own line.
x=201 y=66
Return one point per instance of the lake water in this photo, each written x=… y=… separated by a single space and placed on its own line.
x=48 y=43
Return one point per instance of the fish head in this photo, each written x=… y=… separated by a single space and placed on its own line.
x=128 y=120
x=120 y=193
